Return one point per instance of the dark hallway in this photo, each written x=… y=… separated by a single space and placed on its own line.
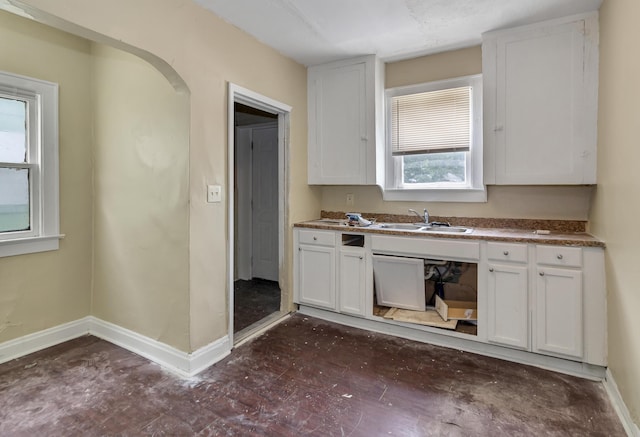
x=253 y=301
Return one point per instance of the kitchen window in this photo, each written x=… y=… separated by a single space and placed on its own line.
x=28 y=165
x=434 y=141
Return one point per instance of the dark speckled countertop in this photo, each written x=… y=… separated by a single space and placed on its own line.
x=562 y=232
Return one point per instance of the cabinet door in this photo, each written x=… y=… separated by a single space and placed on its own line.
x=546 y=105
x=508 y=309
x=337 y=124
x=317 y=276
x=558 y=312
x=351 y=286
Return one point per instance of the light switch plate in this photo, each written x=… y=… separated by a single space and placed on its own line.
x=214 y=193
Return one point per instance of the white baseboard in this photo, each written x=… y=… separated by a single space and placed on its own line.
x=182 y=363
x=618 y=404
x=28 y=344
x=179 y=362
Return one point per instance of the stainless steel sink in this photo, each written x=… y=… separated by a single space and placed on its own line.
x=420 y=227
x=401 y=226
x=447 y=229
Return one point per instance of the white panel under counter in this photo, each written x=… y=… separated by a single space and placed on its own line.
x=426 y=247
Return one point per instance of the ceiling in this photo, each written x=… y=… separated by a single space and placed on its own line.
x=317 y=31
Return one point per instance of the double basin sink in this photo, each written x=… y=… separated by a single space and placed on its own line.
x=424 y=227
x=412 y=227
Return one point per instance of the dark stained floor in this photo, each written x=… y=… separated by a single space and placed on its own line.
x=303 y=377
x=253 y=301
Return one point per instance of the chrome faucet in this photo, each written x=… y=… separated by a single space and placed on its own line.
x=426 y=215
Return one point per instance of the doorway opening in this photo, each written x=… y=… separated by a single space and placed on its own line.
x=257 y=129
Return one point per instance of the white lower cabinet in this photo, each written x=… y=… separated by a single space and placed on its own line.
x=538 y=298
x=558 y=312
x=315 y=269
x=508 y=305
x=352 y=281
x=551 y=302
x=330 y=277
x=508 y=295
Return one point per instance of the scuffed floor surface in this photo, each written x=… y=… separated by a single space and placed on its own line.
x=303 y=377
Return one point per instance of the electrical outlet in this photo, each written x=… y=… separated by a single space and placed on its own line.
x=350 y=199
x=214 y=193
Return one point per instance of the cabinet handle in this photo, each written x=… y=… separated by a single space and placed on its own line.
x=360 y=257
x=491 y=269
x=299 y=249
x=315 y=238
x=506 y=252
x=541 y=273
x=498 y=128
x=559 y=256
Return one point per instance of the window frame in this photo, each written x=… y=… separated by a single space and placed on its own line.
x=472 y=191
x=42 y=98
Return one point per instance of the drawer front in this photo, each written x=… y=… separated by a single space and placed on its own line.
x=322 y=238
x=559 y=256
x=507 y=252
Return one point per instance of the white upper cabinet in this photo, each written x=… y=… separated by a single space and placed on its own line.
x=345 y=121
x=540 y=102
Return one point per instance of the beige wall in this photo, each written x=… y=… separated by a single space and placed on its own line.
x=141 y=197
x=38 y=291
x=502 y=201
x=561 y=203
x=463 y=62
x=207 y=53
x=616 y=208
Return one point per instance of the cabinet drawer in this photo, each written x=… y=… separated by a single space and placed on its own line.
x=507 y=252
x=559 y=256
x=323 y=238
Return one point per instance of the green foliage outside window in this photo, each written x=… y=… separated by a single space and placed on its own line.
x=434 y=168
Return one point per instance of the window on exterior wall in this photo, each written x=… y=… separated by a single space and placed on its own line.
x=28 y=165
x=434 y=141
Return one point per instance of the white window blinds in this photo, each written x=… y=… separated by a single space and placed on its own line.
x=431 y=122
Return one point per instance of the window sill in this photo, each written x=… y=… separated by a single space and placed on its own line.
x=478 y=195
x=22 y=246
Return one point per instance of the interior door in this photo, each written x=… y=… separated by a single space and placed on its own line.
x=265 y=203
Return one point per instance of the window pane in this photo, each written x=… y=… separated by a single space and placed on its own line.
x=14 y=199
x=434 y=168
x=13 y=130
